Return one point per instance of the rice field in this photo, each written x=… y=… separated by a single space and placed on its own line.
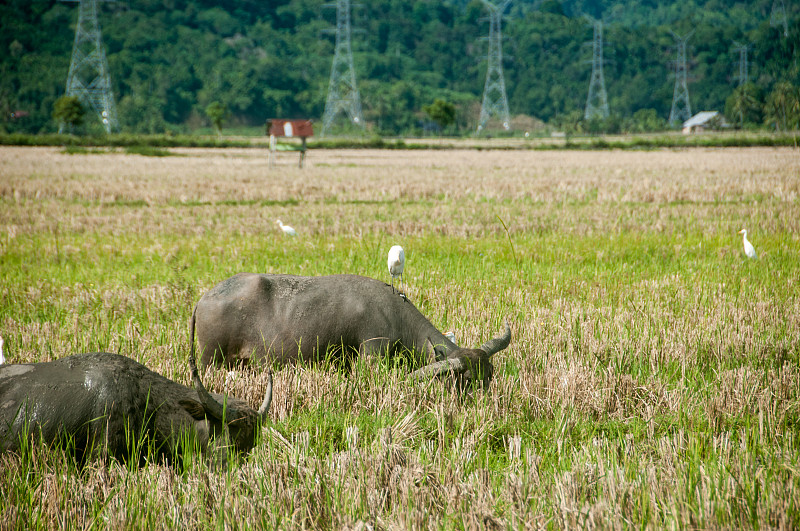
x=652 y=381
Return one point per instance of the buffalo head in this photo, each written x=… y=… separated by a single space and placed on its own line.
x=466 y=365
x=241 y=422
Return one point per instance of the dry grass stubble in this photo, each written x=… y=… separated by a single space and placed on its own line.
x=616 y=404
x=465 y=191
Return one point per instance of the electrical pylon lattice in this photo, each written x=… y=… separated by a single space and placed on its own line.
x=342 y=91
x=597 y=100
x=88 y=78
x=778 y=17
x=495 y=102
x=742 y=49
x=681 y=108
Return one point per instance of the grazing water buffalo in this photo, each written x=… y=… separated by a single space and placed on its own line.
x=283 y=318
x=108 y=404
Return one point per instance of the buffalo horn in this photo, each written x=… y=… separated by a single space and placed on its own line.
x=213 y=407
x=499 y=343
x=263 y=411
x=439 y=367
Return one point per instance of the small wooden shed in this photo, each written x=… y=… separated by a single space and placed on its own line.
x=278 y=127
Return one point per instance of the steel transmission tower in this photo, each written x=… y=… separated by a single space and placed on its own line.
x=597 y=101
x=88 y=78
x=495 y=102
x=342 y=90
x=778 y=16
x=681 y=108
x=742 y=49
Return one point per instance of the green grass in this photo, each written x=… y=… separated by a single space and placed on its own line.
x=652 y=380
x=148 y=151
x=201 y=139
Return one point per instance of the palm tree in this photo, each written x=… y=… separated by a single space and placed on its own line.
x=782 y=109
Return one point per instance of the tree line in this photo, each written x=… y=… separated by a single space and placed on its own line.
x=179 y=65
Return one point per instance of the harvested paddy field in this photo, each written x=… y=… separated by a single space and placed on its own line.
x=652 y=378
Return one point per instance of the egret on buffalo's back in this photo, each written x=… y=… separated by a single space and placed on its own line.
x=2 y=358
x=289 y=231
x=749 y=250
x=396 y=263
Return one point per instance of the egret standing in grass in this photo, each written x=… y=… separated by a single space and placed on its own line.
x=749 y=250
x=396 y=262
x=2 y=358
x=289 y=231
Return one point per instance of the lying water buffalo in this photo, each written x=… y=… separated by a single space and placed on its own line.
x=284 y=318
x=108 y=404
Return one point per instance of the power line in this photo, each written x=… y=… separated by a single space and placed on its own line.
x=778 y=16
x=597 y=100
x=342 y=90
x=742 y=49
x=681 y=108
x=88 y=77
x=495 y=102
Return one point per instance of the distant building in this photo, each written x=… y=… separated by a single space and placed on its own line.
x=704 y=121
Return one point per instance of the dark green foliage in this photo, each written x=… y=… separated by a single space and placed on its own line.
x=645 y=121
x=170 y=61
x=442 y=112
x=782 y=109
x=119 y=140
x=69 y=111
x=147 y=151
x=745 y=105
x=149 y=145
x=217 y=112
x=72 y=149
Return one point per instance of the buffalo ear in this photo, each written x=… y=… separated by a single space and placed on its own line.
x=195 y=409
x=441 y=353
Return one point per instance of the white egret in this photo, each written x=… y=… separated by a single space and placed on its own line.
x=289 y=231
x=2 y=358
x=451 y=336
x=749 y=250
x=396 y=263
x=229 y=379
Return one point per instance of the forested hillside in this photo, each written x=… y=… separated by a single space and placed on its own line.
x=170 y=59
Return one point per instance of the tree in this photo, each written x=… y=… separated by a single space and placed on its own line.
x=552 y=6
x=782 y=109
x=646 y=121
x=745 y=105
x=169 y=60
x=68 y=110
x=609 y=125
x=570 y=123
x=217 y=112
x=442 y=112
